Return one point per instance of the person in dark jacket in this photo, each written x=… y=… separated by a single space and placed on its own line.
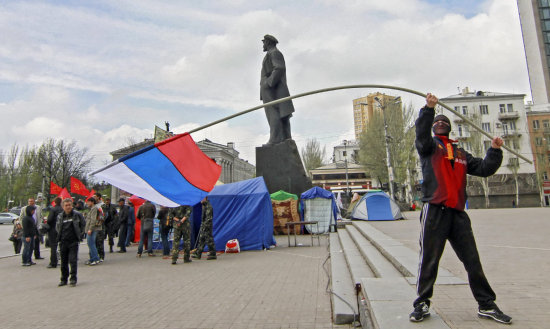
x=17 y=235
x=131 y=223
x=29 y=234
x=123 y=220
x=444 y=169
x=146 y=214
x=52 y=233
x=70 y=227
x=111 y=222
x=165 y=225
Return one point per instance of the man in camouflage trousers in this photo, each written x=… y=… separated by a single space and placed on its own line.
x=205 y=234
x=182 y=230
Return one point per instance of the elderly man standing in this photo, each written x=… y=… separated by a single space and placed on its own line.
x=37 y=216
x=273 y=86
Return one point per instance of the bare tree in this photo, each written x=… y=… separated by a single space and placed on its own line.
x=312 y=155
x=26 y=171
x=478 y=149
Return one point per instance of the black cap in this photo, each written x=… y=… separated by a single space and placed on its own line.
x=270 y=38
x=122 y=199
x=441 y=117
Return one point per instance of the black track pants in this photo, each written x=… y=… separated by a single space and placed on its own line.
x=439 y=224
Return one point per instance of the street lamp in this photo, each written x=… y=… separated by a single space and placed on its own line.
x=346 y=164
x=387 y=138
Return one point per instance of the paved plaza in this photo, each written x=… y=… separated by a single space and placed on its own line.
x=280 y=288
x=514 y=246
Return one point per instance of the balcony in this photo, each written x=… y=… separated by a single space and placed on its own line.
x=508 y=115
x=463 y=135
x=458 y=120
x=510 y=133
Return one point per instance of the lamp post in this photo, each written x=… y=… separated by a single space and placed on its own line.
x=387 y=138
x=409 y=176
x=346 y=165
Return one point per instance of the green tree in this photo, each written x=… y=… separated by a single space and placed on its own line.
x=313 y=155
x=372 y=143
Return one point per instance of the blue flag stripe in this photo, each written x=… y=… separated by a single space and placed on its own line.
x=157 y=170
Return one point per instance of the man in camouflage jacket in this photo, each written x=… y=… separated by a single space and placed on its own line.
x=182 y=230
x=205 y=234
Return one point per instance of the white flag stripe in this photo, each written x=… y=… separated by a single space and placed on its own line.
x=122 y=177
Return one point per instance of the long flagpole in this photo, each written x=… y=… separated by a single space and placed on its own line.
x=319 y=91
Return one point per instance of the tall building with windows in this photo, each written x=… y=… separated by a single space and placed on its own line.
x=365 y=107
x=539 y=131
x=499 y=114
x=535 y=27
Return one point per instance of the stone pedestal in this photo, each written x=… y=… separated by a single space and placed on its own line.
x=282 y=168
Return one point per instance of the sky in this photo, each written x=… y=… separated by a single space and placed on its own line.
x=104 y=73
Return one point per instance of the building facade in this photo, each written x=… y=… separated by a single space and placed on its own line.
x=535 y=27
x=539 y=132
x=365 y=107
x=341 y=177
x=498 y=114
x=234 y=169
x=348 y=151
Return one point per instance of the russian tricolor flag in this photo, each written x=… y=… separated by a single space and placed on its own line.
x=170 y=173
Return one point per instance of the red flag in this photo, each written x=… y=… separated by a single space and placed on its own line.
x=78 y=188
x=64 y=194
x=54 y=188
x=92 y=193
x=137 y=202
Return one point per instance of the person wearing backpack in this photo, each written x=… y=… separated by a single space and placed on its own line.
x=146 y=214
x=93 y=226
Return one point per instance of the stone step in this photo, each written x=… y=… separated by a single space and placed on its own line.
x=380 y=265
x=356 y=263
x=403 y=258
x=389 y=302
x=341 y=284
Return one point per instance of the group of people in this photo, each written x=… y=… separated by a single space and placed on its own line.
x=65 y=227
x=176 y=219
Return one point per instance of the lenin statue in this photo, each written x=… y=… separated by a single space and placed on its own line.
x=272 y=87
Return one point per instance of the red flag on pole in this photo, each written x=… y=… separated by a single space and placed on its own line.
x=92 y=193
x=77 y=187
x=54 y=188
x=64 y=194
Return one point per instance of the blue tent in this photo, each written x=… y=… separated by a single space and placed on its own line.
x=242 y=211
x=318 y=204
x=376 y=206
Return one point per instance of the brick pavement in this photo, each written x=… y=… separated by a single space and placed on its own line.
x=514 y=246
x=280 y=288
